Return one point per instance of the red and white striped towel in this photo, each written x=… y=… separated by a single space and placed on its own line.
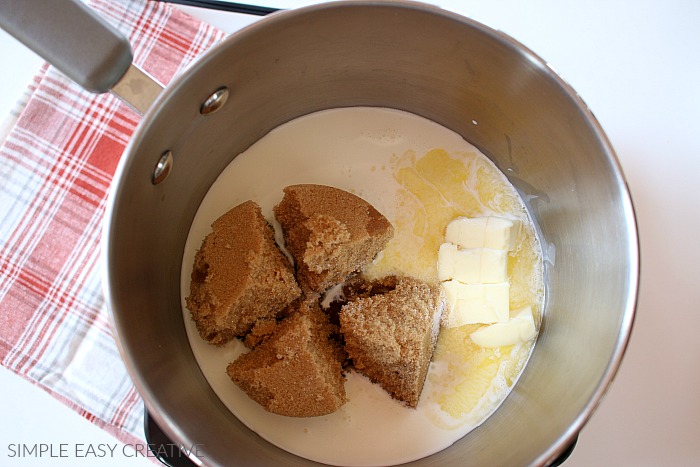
x=56 y=165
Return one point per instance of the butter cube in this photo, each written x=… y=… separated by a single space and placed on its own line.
x=483 y=232
x=520 y=328
x=472 y=265
x=475 y=303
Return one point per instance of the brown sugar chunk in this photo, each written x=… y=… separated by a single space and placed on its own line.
x=358 y=287
x=261 y=331
x=390 y=337
x=239 y=276
x=296 y=371
x=330 y=233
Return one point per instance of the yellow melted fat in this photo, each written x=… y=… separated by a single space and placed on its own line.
x=436 y=188
x=421 y=176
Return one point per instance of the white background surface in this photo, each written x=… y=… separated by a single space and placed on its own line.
x=637 y=65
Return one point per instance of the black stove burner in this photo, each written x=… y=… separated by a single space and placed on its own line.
x=161 y=447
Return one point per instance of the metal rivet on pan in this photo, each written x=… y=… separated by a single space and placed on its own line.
x=163 y=167
x=214 y=102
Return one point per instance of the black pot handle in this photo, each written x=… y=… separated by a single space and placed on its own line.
x=224 y=5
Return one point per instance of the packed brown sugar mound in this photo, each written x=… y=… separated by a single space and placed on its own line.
x=239 y=276
x=295 y=367
x=390 y=330
x=330 y=233
x=244 y=287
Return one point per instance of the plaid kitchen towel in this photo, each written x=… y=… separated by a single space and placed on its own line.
x=56 y=164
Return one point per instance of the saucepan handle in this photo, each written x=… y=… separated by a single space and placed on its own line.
x=80 y=44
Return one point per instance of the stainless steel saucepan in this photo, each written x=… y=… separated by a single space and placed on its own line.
x=395 y=54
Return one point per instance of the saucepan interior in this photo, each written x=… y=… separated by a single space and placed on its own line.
x=498 y=95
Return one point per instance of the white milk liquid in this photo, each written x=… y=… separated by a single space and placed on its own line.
x=420 y=176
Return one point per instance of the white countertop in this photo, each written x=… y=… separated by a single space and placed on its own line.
x=637 y=66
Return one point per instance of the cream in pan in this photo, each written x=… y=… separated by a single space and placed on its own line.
x=420 y=176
